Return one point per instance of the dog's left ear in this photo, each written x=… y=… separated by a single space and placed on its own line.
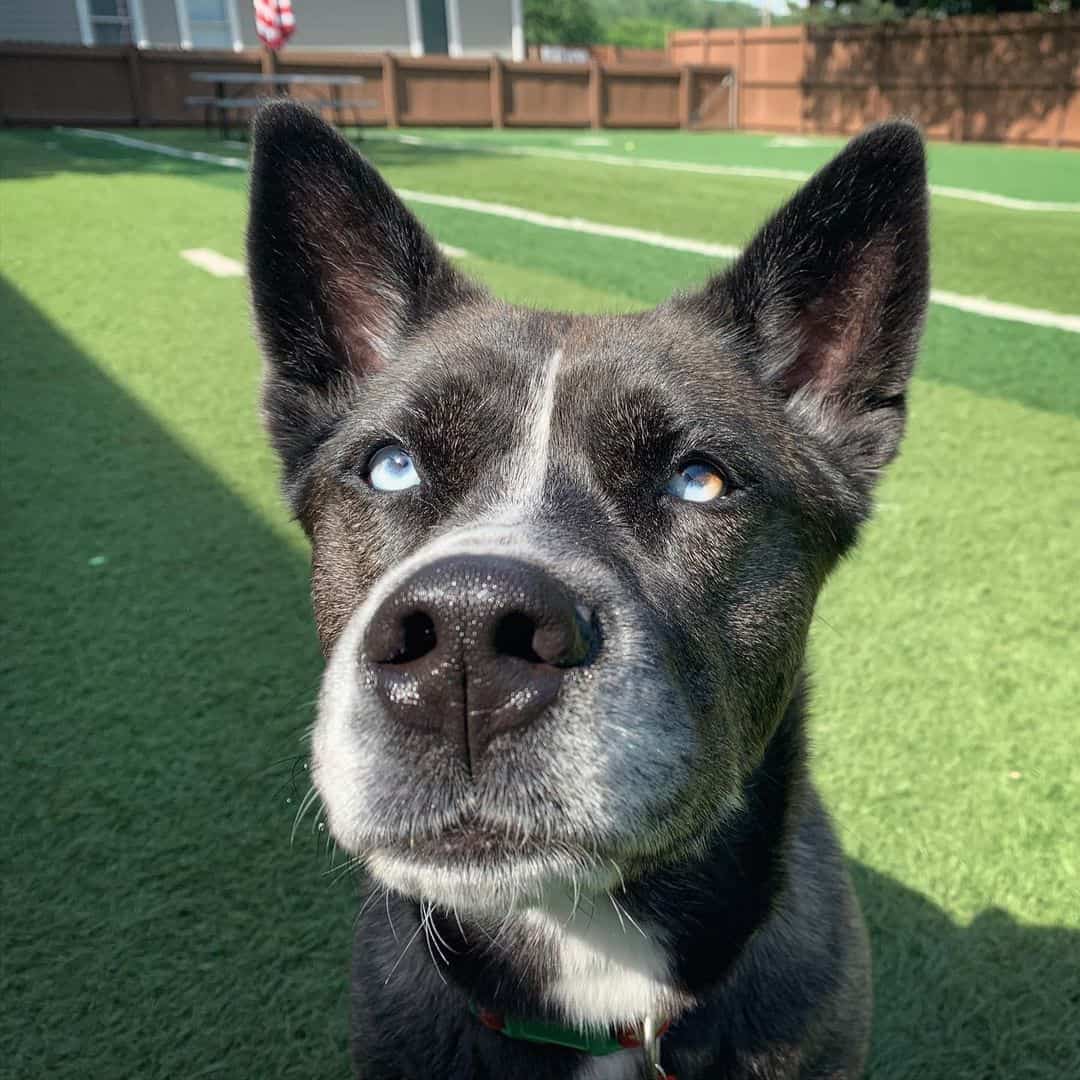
x=341 y=274
x=829 y=298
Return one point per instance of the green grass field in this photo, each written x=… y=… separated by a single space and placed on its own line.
x=160 y=666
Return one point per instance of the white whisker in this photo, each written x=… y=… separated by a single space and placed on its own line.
x=618 y=912
x=401 y=957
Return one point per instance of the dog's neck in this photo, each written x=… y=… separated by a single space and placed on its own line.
x=656 y=946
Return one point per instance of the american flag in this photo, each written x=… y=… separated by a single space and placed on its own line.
x=274 y=22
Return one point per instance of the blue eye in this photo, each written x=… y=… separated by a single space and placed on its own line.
x=697 y=481
x=391 y=469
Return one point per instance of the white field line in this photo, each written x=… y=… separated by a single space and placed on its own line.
x=1007 y=202
x=988 y=198
x=975 y=305
x=157 y=148
x=996 y=309
x=574 y=225
x=213 y=262
x=799 y=142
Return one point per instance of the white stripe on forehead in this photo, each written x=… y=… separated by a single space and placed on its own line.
x=526 y=480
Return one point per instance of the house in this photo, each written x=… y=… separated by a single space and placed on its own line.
x=412 y=27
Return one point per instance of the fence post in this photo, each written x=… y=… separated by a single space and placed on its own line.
x=1069 y=43
x=134 y=74
x=1070 y=40
x=740 y=72
x=498 y=95
x=878 y=50
x=686 y=75
x=959 y=124
x=390 y=90
x=596 y=95
x=804 y=62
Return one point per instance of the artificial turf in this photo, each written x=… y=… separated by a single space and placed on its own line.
x=1025 y=172
x=160 y=667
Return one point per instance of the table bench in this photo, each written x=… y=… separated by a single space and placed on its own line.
x=221 y=103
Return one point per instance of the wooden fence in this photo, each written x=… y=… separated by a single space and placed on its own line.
x=42 y=84
x=1007 y=79
x=1012 y=78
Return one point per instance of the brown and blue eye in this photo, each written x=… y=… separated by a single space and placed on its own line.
x=697 y=481
x=392 y=469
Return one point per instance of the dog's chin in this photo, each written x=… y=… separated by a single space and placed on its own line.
x=472 y=874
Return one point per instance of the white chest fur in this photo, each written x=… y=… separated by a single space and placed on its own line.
x=608 y=969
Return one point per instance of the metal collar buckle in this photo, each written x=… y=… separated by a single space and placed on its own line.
x=650 y=1051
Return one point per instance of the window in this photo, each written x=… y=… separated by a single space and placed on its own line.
x=208 y=24
x=110 y=22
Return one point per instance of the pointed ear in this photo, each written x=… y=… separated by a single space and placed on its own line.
x=830 y=297
x=341 y=272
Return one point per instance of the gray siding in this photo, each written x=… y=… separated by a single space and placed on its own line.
x=159 y=23
x=485 y=27
x=359 y=25
x=349 y=25
x=40 y=20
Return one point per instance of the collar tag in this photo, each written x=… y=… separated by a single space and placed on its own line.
x=651 y=1034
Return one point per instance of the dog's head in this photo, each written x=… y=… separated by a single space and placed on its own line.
x=564 y=567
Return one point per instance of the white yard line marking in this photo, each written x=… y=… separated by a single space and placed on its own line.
x=987 y=198
x=996 y=309
x=157 y=148
x=1007 y=202
x=213 y=262
x=575 y=225
x=598 y=159
x=797 y=142
x=975 y=305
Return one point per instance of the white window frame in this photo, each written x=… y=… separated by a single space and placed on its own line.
x=134 y=19
x=416 y=34
x=183 y=23
x=454 y=45
x=517 y=30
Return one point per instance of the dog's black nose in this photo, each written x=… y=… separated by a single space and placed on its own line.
x=474 y=645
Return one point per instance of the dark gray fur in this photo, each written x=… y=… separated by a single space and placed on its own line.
x=789 y=371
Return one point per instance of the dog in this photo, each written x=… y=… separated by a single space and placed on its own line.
x=563 y=572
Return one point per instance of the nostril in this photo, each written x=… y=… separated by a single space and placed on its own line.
x=560 y=642
x=416 y=641
x=514 y=635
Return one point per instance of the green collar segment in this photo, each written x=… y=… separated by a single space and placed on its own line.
x=545 y=1031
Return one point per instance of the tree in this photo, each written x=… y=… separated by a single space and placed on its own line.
x=561 y=22
x=879 y=10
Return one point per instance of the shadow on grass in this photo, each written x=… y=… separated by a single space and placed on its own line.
x=156 y=922
x=159 y=667
x=988 y=1000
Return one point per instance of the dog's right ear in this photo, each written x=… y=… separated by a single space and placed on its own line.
x=341 y=272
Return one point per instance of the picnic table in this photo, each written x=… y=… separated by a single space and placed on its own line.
x=221 y=102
